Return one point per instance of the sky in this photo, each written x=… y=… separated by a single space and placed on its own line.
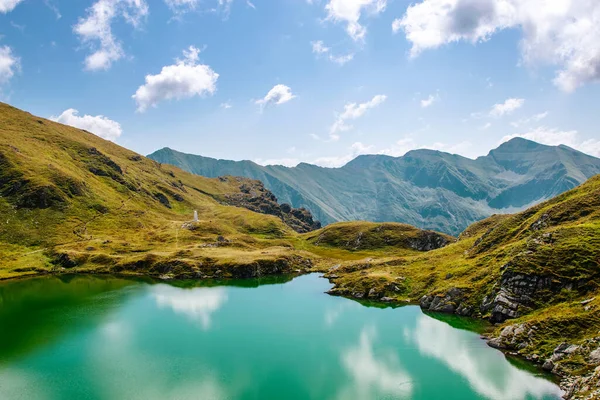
x=318 y=81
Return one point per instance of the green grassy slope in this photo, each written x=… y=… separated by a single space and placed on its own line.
x=425 y=188
x=70 y=198
x=536 y=272
x=71 y=201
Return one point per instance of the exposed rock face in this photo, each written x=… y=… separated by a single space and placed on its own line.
x=512 y=337
x=428 y=240
x=255 y=197
x=518 y=293
x=446 y=303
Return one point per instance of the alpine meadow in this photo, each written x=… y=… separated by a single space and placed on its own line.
x=301 y=199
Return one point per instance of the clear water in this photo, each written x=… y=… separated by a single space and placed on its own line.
x=112 y=338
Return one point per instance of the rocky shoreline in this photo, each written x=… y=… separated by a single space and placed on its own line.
x=509 y=301
x=514 y=338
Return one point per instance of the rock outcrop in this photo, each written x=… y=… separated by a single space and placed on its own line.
x=450 y=302
x=255 y=197
x=428 y=240
x=517 y=339
x=519 y=293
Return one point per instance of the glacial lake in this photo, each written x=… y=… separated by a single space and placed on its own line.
x=86 y=337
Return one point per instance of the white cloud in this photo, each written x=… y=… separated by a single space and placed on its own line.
x=286 y=162
x=396 y=25
x=563 y=33
x=350 y=12
x=533 y=118
x=17 y=26
x=53 y=8
x=508 y=107
x=398 y=149
x=98 y=125
x=9 y=64
x=179 y=6
x=353 y=111
x=406 y=144
x=429 y=100
x=487 y=126
x=95 y=30
x=343 y=59
x=555 y=137
x=279 y=94
x=356 y=149
x=184 y=79
x=7 y=6
x=227 y=105
x=319 y=48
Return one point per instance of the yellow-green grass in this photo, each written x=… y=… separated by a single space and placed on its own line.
x=69 y=199
x=559 y=239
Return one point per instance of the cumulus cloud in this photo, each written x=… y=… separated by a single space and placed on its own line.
x=563 y=33
x=350 y=12
x=278 y=95
x=184 y=79
x=555 y=137
x=353 y=111
x=95 y=30
x=7 y=6
x=508 y=107
x=98 y=125
x=319 y=48
x=429 y=100
x=10 y=64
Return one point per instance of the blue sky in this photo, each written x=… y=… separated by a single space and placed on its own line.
x=316 y=81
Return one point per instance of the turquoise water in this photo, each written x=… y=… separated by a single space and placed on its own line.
x=112 y=338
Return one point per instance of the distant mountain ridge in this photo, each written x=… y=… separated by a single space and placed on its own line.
x=425 y=188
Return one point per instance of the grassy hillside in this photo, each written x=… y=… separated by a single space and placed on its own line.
x=73 y=202
x=425 y=188
x=70 y=199
x=536 y=273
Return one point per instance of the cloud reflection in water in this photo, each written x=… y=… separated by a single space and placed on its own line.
x=197 y=304
x=373 y=376
x=488 y=377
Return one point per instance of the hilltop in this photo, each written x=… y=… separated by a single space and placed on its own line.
x=425 y=188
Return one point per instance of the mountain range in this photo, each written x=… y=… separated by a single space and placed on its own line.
x=73 y=203
x=425 y=188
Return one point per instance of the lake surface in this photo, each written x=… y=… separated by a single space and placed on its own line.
x=111 y=338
